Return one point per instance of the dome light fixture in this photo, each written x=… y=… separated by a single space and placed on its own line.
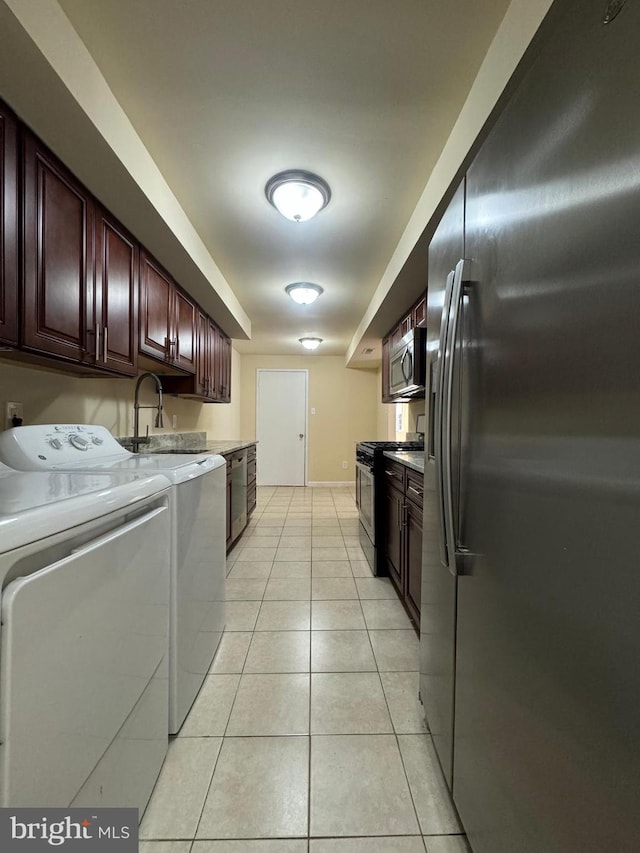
x=310 y=343
x=303 y=292
x=297 y=195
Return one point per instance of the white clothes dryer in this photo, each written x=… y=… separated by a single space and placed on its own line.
x=84 y=597
x=198 y=535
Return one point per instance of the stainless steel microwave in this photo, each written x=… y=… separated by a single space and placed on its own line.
x=407 y=362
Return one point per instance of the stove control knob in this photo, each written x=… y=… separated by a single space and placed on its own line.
x=97 y=440
x=78 y=442
x=55 y=443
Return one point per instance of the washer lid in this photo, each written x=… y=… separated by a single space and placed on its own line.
x=85 y=447
x=35 y=505
x=176 y=467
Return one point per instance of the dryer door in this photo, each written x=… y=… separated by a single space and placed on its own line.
x=82 y=638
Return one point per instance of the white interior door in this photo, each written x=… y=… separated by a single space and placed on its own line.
x=281 y=427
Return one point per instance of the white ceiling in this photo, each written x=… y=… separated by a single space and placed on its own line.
x=225 y=93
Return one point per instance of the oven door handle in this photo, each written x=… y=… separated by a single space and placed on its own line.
x=362 y=467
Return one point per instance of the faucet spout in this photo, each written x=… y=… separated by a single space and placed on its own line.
x=137 y=439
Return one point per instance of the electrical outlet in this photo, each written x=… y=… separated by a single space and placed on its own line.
x=13 y=410
x=345 y=465
x=174 y=421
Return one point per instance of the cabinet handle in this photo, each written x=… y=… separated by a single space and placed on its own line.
x=97 y=334
x=392 y=474
x=417 y=492
x=104 y=344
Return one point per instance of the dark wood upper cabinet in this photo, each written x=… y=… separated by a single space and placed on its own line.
x=223 y=364
x=91 y=296
x=416 y=317
x=211 y=381
x=57 y=256
x=420 y=312
x=8 y=227
x=114 y=324
x=156 y=301
x=185 y=319
x=168 y=326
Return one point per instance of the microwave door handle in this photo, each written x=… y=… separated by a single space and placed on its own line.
x=447 y=415
x=438 y=415
x=407 y=376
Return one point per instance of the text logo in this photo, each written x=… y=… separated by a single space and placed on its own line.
x=74 y=830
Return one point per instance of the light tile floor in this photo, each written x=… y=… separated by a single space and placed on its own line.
x=307 y=736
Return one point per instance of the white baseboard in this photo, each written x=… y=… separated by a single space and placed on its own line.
x=332 y=483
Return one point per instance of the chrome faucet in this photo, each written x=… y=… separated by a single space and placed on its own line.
x=137 y=440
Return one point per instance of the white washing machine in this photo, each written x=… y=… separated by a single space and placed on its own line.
x=198 y=535
x=84 y=597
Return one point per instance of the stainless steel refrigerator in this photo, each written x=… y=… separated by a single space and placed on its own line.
x=530 y=634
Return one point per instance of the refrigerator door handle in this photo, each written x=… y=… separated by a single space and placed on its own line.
x=439 y=371
x=457 y=292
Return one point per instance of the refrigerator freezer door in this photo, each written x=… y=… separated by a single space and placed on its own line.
x=547 y=723
x=438 y=607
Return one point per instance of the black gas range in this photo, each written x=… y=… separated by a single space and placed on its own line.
x=369 y=496
x=371 y=452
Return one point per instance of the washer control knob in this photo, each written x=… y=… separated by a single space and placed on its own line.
x=55 y=443
x=97 y=440
x=78 y=442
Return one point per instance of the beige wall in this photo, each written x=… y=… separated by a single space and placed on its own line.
x=54 y=397
x=386 y=417
x=346 y=403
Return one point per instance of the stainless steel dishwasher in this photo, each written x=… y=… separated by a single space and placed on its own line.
x=238 y=492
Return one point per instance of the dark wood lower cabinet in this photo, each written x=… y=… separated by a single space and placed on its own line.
x=394 y=513
x=403 y=534
x=413 y=546
x=251 y=479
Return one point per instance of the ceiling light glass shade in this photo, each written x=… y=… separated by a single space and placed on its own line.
x=298 y=195
x=303 y=292
x=310 y=343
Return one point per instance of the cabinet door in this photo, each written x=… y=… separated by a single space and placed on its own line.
x=156 y=309
x=396 y=336
x=58 y=256
x=224 y=368
x=8 y=228
x=202 y=375
x=214 y=355
x=420 y=312
x=115 y=326
x=406 y=324
x=393 y=514
x=185 y=313
x=413 y=554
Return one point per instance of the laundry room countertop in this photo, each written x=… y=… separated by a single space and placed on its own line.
x=187 y=442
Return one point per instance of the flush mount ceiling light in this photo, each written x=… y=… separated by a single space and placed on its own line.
x=310 y=343
x=298 y=195
x=303 y=292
